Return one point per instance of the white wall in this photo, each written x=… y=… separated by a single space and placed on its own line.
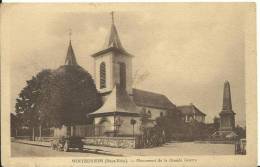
x=107 y=58
x=128 y=62
x=125 y=129
x=200 y=118
x=155 y=112
x=112 y=71
x=109 y=125
x=59 y=132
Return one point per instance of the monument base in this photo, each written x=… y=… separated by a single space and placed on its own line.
x=224 y=135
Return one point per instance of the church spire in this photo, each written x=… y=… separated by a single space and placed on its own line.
x=227 y=104
x=70 y=58
x=114 y=40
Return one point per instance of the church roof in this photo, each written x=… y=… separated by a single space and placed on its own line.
x=113 y=43
x=114 y=40
x=151 y=99
x=190 y=110
x=118 y=102
x=70 y=58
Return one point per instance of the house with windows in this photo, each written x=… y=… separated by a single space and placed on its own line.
x=190 y=113
x=121 y=102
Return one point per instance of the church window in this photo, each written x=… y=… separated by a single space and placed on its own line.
x=102 y=75
x=122 y=74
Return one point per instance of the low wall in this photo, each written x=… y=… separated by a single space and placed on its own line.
x=118 y=142
x=45 y=139
x=38 y=143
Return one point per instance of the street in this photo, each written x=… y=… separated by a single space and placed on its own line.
x=169 y=149
x=26 y=150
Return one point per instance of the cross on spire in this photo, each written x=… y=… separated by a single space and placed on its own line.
x=112 y=17
x=70 y=58
x=70 y=34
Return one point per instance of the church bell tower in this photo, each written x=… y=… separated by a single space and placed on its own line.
x=113 y=64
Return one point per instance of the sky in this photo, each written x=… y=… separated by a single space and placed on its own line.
x=183 y=51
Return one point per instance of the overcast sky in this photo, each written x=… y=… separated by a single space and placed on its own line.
x=185 y=51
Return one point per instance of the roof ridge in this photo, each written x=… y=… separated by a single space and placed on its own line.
x=150 y=92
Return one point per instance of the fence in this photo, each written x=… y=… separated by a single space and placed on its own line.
x=89 y=130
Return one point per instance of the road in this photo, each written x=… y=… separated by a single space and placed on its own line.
x=168 y=149
x=26 y=150
x=175 y=149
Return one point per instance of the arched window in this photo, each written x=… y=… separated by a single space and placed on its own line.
x=102 y=71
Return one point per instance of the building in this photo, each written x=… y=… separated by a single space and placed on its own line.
x=154 y=104
x=122 y=102
x=190 y=113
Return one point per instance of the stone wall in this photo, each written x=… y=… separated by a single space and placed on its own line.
x=118 y=142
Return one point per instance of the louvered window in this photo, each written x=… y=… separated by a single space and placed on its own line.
x=102 y=75
x=122 y=75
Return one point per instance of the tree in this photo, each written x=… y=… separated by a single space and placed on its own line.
x=59 y=97
x=27 y=103
x=171 y=123
x=70 y=97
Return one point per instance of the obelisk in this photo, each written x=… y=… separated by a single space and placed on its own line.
x=227 y=115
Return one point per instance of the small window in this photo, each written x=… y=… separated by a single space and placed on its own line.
x=102 y=71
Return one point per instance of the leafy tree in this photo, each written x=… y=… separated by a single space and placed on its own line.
x=171 y=123
x=27 y=103
x=70 y=96
x=59 y=97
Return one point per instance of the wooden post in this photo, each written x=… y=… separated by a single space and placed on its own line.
x=133 y=130
x=33 y=135
x=71 y=130
x=40 y=131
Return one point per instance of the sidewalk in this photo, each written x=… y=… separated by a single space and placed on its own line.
x=92 y=149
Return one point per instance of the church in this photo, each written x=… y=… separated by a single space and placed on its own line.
x=122 y=104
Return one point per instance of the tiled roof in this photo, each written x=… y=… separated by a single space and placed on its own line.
x=113 y=44
x=118 y=101
x=151 y=99
x=190 y=110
